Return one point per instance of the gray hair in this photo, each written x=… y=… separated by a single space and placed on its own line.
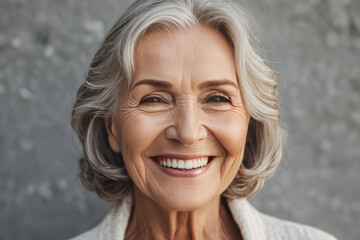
x=101 y=169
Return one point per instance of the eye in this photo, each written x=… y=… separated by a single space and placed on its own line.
x=218 y=99
x=152 y=100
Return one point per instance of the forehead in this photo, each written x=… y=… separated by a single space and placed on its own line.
x=184 y=56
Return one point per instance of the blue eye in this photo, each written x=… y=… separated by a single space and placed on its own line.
x=218 y=99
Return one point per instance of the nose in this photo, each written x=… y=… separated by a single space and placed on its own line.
x=188 y=126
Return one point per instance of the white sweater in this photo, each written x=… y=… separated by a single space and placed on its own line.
x=253 y=224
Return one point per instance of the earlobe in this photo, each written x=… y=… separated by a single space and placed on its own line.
x=115 y=146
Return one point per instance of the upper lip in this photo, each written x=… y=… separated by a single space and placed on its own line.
x=179 y=156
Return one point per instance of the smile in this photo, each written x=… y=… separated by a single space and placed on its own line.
x=182 y=163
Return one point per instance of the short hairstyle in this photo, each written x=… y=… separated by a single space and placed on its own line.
x=101 y=169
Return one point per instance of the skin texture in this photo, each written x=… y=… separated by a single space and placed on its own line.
x=187 y=117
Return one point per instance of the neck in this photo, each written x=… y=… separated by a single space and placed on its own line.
x=151 y=221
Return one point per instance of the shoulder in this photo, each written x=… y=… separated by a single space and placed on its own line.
x=256 y=225
x=114 y=224
x=88 y=235
x=283 y=229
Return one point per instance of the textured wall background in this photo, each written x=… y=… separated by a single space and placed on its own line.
x=46 y=46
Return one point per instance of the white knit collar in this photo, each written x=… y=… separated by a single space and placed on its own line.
x=246 y=216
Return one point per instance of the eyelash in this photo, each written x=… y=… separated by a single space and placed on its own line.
x=223 y=98
x=147 y=100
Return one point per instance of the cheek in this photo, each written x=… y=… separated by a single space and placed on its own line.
x=137 y=132
x=140 y=130
x=230 y=130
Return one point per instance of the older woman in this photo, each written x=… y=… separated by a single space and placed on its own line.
x=179 y=123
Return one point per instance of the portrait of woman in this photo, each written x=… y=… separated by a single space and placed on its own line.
x=180 y=119
x=180 y=124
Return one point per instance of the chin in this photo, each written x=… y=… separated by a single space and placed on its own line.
x=181 y=199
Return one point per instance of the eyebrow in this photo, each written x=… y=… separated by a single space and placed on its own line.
x=217 y=83
x=168 y=85
x=153 y=82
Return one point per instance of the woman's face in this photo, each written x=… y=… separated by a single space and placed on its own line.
x=183 y=108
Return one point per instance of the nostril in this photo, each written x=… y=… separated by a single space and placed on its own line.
x=170 y=133
x=186 y=130
x=176 y=141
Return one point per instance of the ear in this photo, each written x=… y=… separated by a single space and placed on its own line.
x=113 y=141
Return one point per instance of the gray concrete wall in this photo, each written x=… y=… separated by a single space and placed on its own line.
x=46 y=46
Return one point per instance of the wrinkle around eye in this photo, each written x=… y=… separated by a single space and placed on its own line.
x=151 y=101
x=131 y=103
x=155 y=106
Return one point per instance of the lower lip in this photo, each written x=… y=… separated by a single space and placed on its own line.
x=184 y=172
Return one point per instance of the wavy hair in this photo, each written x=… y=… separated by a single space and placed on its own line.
x=101 y=169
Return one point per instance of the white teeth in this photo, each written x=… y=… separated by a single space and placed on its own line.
x=188 y=165
x=195 y=164
x=183 y=164
x=174 y=163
